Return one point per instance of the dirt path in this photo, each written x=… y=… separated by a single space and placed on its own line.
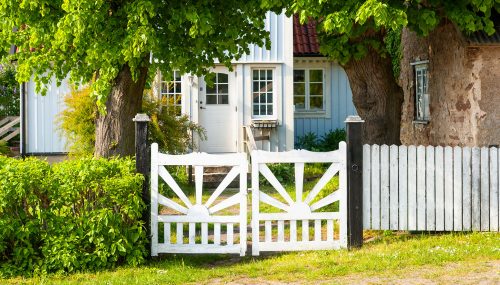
x=470 y=272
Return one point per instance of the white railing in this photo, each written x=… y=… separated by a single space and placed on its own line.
x=298 y=210
x=185 y=215
x=431 y=188
x=8 y=129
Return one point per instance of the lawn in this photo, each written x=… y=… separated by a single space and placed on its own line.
x=447 y=258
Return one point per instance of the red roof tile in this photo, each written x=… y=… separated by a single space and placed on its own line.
x=305 y=38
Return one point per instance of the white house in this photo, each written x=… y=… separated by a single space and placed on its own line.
x=280 y=94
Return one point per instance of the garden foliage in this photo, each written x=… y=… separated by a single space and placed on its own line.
x=9 y=92
x=173 y=133
x=328 y=142
x=77 y=215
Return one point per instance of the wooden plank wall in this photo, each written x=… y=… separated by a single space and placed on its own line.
x=420 y=188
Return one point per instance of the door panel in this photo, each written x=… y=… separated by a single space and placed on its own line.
x=217 y=113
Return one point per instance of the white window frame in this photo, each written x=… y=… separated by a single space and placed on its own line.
x=326 y=66
x=183 y=87
x=276 y=90
x=417 y=67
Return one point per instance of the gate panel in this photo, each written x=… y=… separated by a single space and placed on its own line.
x=198 y=226
x=292 y=213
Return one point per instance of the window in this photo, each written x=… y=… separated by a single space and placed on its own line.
x=421 y=92
x=171 y=92
x=308 y=90
x=218 y=91
x=262 y=92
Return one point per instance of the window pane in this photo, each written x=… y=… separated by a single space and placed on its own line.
x=262 y=74
x=211 y=89
x=211 y=99
x=299 y=102
x=316 y=89
x=256 y=97
x=223 y=88
x=255 y=109
x=177 y=87
x=263 y=98
x=222 y=78
x=223 y=99
x=316 y=75
x=299 y=75
x=316 y=103
x=177 y=76
x=262 y=109
x=255 y=86
x=255 y=75
x=262 y=87
x=299 y=89
x=269 y=97
x=269 y=74
x=269 y=109
x=269 y=86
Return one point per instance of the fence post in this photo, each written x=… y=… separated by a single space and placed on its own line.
x=354 y=126
x=143 y=166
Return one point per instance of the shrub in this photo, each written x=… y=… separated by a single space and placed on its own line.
x=77 y=122
x=4 y=148
x=9 y=91
x=74 y=216
x=328 y=142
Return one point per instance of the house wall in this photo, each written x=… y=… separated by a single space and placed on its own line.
x=42 y=132
x=463 y=90
x=340 y=104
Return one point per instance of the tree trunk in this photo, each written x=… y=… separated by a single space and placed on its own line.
x=115 y=129
x=377 y=98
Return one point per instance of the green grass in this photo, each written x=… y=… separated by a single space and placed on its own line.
x=393 y=255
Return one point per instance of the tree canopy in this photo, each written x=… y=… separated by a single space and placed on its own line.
x=94 y=39
x=350 y=28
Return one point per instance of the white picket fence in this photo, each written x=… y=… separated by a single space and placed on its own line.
x=201 y=213
x=298 y=210
x=431 y=188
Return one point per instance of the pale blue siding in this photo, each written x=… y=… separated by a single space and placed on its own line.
x=341 y=107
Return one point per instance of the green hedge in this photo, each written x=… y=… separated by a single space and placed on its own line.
x=77 y=215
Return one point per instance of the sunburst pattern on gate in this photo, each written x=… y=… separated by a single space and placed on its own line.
x=205 y=214
x=299 y=211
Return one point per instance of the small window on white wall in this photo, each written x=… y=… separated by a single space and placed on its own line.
x=421 y=92
x=171 y=91
x=308 y=89
x=262 y=93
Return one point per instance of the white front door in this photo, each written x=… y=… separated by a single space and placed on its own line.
x=217 y=113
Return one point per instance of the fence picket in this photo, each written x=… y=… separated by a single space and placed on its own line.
x=403 y=187
x=476 y=189
x=192 y=233
x=430 y=190
x=317 y=230
x=457 y=188
x=375 y=187
x=466 y=186
x=217 y=233
x=204 y=233
x=268 y=231
x=281 y=231
x=230 y=234
x=305 y=230
x=180 y=233
x=493 y=189
x=485 y=193
x=384 y=187
x=329 y=230
x=366 y=187
x=448 y=188
x=439 y=158
x=293 y=231
x=412 y=188
x=166 y=233
x=421 y=207
x=393 y=193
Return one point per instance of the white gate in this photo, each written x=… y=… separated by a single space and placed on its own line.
x=208 y=230
x=289 y=214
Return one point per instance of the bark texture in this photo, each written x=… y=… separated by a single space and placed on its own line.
x=463 y=89
x=377 y=98
x=115 y=130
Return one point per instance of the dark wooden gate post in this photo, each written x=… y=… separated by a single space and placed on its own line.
x=143 y=166
x=354 y=181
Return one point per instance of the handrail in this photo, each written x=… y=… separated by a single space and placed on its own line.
x=249 y=139
x=7 y=129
